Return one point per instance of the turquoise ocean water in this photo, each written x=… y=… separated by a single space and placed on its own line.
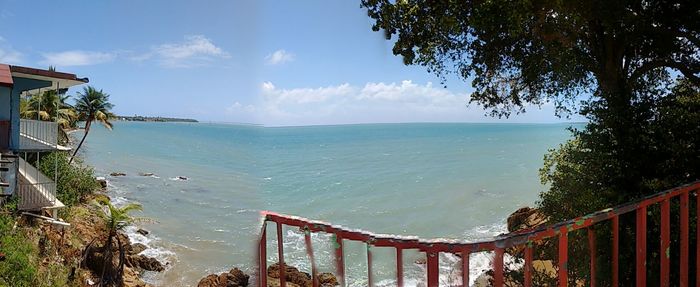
x=430 y=180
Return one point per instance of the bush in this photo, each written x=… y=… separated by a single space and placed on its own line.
x=74 y=180
x=18 y=268
x=593 y=171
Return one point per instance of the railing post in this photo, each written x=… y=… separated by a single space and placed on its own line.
x=665 y=248
x=697 y=238
x=592 y=249
x=684 y=241
x=563 y=257
x=310 y=253
x=465 y=268
x=370 y=283
x=641 y=242
x=528 y=265
x=262 y=272
x=339 y=259
x=433 y=268
x=615 y=250
x=399 y=266
x=280 y=253
x=498 y=267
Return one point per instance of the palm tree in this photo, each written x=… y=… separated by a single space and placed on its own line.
x=115 y=220
x=47 y=106
x=92 y=105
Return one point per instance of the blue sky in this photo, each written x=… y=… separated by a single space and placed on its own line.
x=265 y=62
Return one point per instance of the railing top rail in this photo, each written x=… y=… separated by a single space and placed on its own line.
x=454 y=245
x=37 y=121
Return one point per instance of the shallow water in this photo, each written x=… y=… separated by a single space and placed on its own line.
x=429 y=180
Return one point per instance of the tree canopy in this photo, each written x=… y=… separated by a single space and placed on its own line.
x=520 y=52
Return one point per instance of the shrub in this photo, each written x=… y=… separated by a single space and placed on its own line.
x=74 y=180
x=18 y=268
x=590 y=173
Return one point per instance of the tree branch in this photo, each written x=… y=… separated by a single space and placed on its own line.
x=687 y=70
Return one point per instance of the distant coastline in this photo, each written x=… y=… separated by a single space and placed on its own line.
x=154 y=119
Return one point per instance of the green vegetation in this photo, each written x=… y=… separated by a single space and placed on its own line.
x=629 y=67
x=92 y=105
x=137 y=118
x=46 y=106
x=115 y=219
x=23 y=256
x=584 y=177
x=18 y=268
x=75 y=181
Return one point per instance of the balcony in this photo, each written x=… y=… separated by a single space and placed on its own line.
x=36 y=191
x=38 y=136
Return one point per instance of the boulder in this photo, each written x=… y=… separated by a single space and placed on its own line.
x=131 y=279
x=146 y=174
x=525 y=218
x=142 y=231
x=327 y=279
x=294 y=277
x=233 y=278
x=117 y=174
x=102 y=181
x=291 y=274
x=135 y=248
x=145 y=263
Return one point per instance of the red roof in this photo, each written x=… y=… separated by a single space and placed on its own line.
x=5 y=76
x=46 y=73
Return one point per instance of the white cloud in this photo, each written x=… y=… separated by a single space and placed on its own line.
x=77 y=58
x=237 y=107
x=304 y=95
x=196 y=50
x=279 y=57
x=373 y=102
x=7 y=54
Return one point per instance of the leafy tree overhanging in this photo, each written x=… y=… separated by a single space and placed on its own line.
x=521 y=52
x=610 y=61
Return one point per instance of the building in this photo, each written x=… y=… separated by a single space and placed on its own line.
x=23 y=141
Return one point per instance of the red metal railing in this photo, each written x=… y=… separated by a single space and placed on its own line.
x=523 y=238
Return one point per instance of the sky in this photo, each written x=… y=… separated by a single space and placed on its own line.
x=274 y=63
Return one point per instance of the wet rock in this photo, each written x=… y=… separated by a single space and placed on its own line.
x=142 y=231
x=136 y=248
x=145 y=263
x=291 y=274
x=327 y=279
x=182 y=178
x=102 y=181
x=525 y=218
x=294 y=277
x=131 y=279
x=117 y=174
x=233 y=278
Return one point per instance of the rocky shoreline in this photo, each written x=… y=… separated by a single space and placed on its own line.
x=79 y=245
x=135 y=262
x=293 y=277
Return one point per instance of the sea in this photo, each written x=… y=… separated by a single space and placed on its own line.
x=202 y=187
